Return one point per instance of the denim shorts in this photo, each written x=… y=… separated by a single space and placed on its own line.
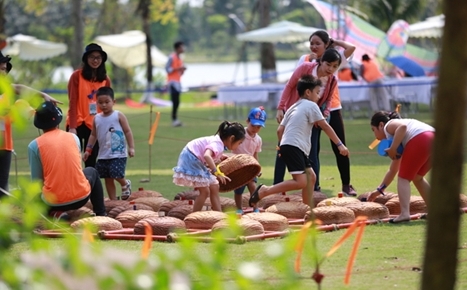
x=240 y=190
x=111 y=168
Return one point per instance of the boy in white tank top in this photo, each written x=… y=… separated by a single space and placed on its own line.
x=110 y=128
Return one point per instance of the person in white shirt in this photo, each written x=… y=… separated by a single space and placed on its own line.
x=412 y=165
x=294 y=134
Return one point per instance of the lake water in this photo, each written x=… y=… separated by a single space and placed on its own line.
x=208 y=74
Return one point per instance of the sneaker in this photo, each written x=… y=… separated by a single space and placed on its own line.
x=59 y=216
x=126 y=190
x=348 y=190
x=256 y=210
x=176 y=123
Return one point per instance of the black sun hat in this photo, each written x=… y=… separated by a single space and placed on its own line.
x=4 y=58
x=47 y=116
x=91 y=48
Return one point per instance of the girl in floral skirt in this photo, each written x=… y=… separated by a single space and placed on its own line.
x=196 y=165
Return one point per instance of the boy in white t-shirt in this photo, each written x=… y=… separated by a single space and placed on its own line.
x=252 y=146
x=294 y=135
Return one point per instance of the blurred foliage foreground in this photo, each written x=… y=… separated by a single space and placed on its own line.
x=82 y=263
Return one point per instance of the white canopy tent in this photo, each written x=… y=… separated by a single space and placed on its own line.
x=30 y=48
x=283 y=31
x=431 y=27
x=128 y=49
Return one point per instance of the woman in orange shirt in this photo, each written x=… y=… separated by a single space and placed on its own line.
x=82 y=88
x=379 y=97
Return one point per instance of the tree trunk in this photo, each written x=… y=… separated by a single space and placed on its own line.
x=268 y=58
x=148 y=51
x=78 y=24
x=3 y=36
x=108 y=25
x=2 y=18
x=144 y=10
x=440 y=261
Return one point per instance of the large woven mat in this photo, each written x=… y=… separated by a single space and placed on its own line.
x=241 y=169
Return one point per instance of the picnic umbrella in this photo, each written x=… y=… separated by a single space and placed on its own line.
x=431 y=27
x=407 y=65
x=283 y=31
x=128 y=49
x=28 y=47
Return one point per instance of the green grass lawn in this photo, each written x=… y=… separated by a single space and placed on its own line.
x=389 y=254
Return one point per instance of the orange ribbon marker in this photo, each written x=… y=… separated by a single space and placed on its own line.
x=147 y=241
x=154 y=128
x=360 y=221
x=87 y=235
x=300 y=244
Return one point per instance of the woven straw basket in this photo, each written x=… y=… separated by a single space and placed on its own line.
x=248 y=227
x=161 y=226
x=240 y=168
x=270 y=221
x=100 y=223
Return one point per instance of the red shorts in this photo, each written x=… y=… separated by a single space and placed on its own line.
x=416 y=159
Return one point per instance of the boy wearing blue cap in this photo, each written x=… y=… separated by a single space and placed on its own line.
x=251 y=145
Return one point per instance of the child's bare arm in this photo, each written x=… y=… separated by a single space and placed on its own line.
x=398 y=130
x=212 y=166
x=128 y=134
x=19 y=89
x=91 y=141
x=332 y=135
x=280 y=132
x=388 y=178
x=255 y=155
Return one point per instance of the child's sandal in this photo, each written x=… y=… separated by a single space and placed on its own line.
x=126 y=190
x=254 y=198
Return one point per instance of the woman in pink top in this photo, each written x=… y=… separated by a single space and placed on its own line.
x=319 y=42
x=196 y=165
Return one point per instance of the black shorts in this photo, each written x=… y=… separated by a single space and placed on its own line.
x=295 y=159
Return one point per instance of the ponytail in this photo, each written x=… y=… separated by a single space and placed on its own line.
x=227 y=129
x=330 y=55
x=383 y=116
